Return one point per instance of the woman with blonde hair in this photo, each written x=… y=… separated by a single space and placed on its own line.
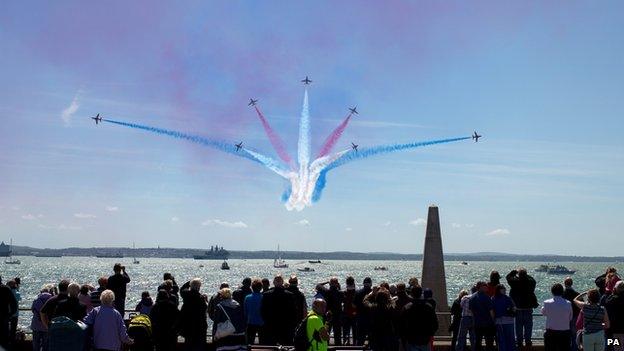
x=109 y=330
x=230 y=324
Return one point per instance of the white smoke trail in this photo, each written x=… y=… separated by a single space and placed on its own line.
x=303 y=155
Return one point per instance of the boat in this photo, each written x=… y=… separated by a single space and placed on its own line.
x=215 y=253
x=381 y=268
x=225 y=266
x=315 y=261
x=464 y=263
x=12 y=260
x=305 y=269
x=278 y=262
x=201 y=266
x=134 y=260
x=542 y=268
x=558 y=269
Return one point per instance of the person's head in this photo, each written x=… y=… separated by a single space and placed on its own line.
x=168 y=285
x=84 y=289
x=12 y=284
x=367 y=282
x=417 y=292
x=293 y=280
x=18 y=281
x=102 y=282
x=47 y=288
x=482 y=286
x=62 y=286
x=427 y=293
x=522 y=272
x=400 y=289
x=145 y=295
x=266 y=284
x=500 y=290
x=256 y=285
x=319 y=287
x=246 y=282
x=117 y=268
x=413 y=281
x=350 y=282
x=224 y=285
x=383 y=297
x=73 y=290
x=225 y=293
x=593 y=296
x=557 y=289
x=611 y=270
x=168 y=276
x=385 y=285
x=195 y=284
x=162 y=295
x=568 y=282
x=462 y=293
x=107 y=297
x=319 y=306
x=619 y=288
x=278 y=281
x=494 y=277
x=333 y=282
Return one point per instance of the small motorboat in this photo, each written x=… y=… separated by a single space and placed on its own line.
x=315 y=261
x=464 y=263
x=381 y=268
x=225 y=266
x=305 y=269
x=559 y=270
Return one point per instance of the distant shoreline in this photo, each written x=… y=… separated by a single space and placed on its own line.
x=303 y=255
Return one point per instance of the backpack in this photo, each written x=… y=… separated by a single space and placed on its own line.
x=65 y=334
x=301 y=342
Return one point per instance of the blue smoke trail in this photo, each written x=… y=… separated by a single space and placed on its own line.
x=303 y=153
x=368 y=152
x=216 y=144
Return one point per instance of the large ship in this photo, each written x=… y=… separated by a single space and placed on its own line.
x=215 y=253
x=5 y=250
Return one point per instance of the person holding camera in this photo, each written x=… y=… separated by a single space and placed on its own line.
x=504 y=318
x=117 y=284
x=558 y=313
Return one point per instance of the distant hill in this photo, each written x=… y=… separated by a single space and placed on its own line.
x=302 y=255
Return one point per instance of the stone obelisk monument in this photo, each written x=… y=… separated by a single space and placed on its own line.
x=433 y=275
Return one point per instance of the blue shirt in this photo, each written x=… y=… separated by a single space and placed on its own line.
x=109 y=330
x=481 y=305
x=253 y=303
x=503 y=304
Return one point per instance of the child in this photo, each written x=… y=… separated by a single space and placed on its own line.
x=145 y=306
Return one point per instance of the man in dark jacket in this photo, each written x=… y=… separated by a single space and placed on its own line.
x=164 y=316
x=48 y=311
x=523 y=295
x=570 y=294
x=8 y=307
x=193 y=322
x=363 y=316
x=239 y=294
x=418 y=323
x=117 y=283
x=615 y=311
x=349 y=311
x=334 y=298
x=482 y=309
x=279 y=314
x=300 y=301
x=95 y=295
x=71 y=308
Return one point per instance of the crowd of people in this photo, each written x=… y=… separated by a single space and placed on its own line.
x=383 y=317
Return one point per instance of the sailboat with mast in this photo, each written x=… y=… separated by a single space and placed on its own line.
x=278 y=262
x=134 y=260
x=12 y=260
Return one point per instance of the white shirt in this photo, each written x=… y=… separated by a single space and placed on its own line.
x=466 y=312
x=558 y=312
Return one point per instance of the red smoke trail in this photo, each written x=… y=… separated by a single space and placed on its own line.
x=275 y=140
x=334 y=136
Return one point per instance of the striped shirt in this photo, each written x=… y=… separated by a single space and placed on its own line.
x=593 y=317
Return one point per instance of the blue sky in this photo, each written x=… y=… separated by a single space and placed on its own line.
x=542 y=82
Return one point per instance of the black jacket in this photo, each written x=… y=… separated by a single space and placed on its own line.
x=278 y=309
x=8 y=303
x=570 y=294
x=522 y=290
x=334 y=298
x=117 y=283
x=615 y=311
x=358 y=299
x=239 y=294
x=418 y=323
x=300 y=303
x=71 y=308
x=456 y=314
x=193 y=322
x=164 y=316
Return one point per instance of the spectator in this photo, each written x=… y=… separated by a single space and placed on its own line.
x=214 y=301
x=482 y=310
x=427 y=295
x=229 y=309
x=39 y=331
x=456 y=316
x=493 y=283
x=615 y=310
x=279 y=314
x=253 y=304
x=117 y=284
x=71 y=307
x=95 y=295
x=611 y=279
x=193 y=323
x=362 y=317
x=85 y=296
x=595 y=321
x=174 y=286
x=504 y=317
x=145 y=305
x=14 y=286
x=300 y=301
x=419 y=323
x=8 y=307
x=164 y=316
x=522 y=292
x=349 y=311
x=383 y=334
x=570 y=294
x=266 y=285
x=558 y=312
x=109 y=330
x=172 y=290
x=466 y=325
x=239 y=294
x=49 y=308
x=334 y=298
x=316 y=330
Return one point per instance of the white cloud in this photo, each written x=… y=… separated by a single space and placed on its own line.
x=387 y=224
x=498 y=232
x=303 y=223
x=456 y=225
x=226 y=224
x=418 y=222
x=84 y=215
x=69 y=111
x=60 y=227
x=175 y=219
x=30 y=217
x=348 y=229
x=112 y=208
